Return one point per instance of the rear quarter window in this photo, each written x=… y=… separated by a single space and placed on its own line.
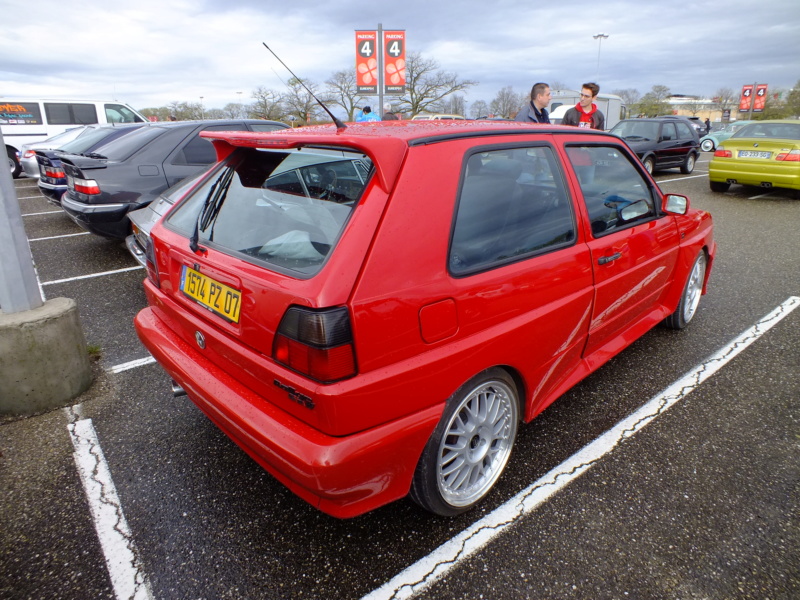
x=285 y=210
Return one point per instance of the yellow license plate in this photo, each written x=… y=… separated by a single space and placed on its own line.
x=216 y=297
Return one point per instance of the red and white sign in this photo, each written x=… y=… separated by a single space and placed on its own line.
x=746 y=98
x=761 y=97
x=367 y=62
x=394 y=62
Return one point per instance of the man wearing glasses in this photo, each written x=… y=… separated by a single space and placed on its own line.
x=536 y=110
x=585 y=112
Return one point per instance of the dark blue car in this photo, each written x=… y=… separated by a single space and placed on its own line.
x=52 y=179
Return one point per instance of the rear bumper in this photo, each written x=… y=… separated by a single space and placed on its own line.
x=341 y=476
x=108 y=220
x=786 y=177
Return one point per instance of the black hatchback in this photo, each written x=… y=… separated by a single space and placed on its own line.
x=661 y=143
x=130 y=172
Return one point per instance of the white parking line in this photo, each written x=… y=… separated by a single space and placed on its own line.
x=58 y=237
x=29 y=197
x=132 y=365
x=49 y=212
x=122 y=560
x=682 y=178
x=427 y=570
x=92 y=275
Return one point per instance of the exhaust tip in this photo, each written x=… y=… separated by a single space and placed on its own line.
x=177 y=391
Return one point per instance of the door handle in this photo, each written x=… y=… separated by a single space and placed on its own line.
x=607 y=259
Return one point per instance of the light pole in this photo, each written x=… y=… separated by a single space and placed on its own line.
x=202 y=112
x=240 y=108
x=599 y=37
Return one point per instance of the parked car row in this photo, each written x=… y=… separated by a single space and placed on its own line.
x=371 y=312
x=104 y=174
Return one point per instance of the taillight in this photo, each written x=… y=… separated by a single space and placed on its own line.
x=85 y=186
x=316 y=343
x=54 y=172
x=722 y=153
x=793 y=156
x=28 y=154
x=150 y=262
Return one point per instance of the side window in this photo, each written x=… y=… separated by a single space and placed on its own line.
x=614 y=191
x=668 y=132
x=84 y=114
x=200 y=151
x=119 y=113
x=684 y=131
x=57 y=114
x=513 y=204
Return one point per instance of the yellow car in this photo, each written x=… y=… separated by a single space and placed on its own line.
x=763 y=153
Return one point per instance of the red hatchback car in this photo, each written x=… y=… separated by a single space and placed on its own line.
x=371 y=311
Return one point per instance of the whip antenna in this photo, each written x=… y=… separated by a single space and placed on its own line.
x=339 y=125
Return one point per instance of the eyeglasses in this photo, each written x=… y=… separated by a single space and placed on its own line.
x=586 y=95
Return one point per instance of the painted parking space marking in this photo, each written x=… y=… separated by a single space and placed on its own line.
x=124 y=565
x=58 y=237
x=29 y=197
x=141 y=362
x=429 y=569
x=682 y=178
x=92 y=275
x=48 y=212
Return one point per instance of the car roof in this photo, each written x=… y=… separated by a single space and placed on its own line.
x=385 y=142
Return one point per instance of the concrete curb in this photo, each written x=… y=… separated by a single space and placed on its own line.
x=43 y=358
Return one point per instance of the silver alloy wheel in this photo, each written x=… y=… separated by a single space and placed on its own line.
x=707 y=146
x=648 y=165
x=477 y=443
x=694 y=288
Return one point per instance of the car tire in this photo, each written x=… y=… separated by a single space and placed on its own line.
x=719 y=186
x=13 y=163
x=688 y=165
x=470 y=447
x=649 y=164
x=707 y=146
x=692 y=291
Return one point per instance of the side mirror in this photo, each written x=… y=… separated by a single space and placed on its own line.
x=676 y=204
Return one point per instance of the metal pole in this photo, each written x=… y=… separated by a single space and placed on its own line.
x=379 y=49
x=599 y=37
x=19 y=288
x=752 y=101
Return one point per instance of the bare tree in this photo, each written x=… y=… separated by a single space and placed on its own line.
x=426 y=85
x=233 y=110
x=268 y=105
x=693 y=106
x=724 y=99
x=507 y=102
x=342 y=91
x=479 y=108
x=299 y=103
x=629 y=96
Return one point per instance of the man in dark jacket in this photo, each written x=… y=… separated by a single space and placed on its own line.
x=536 y=110
x=585 y=112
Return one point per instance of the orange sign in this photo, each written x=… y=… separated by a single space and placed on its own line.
x=394 y=62
x=761 y=97
x=366 y=62
x=746 y=98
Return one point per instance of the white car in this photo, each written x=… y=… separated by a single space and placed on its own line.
x=27 y=153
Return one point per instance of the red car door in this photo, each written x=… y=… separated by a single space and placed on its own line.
x=633 y=248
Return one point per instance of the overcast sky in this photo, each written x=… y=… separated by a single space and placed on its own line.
x=149 y=53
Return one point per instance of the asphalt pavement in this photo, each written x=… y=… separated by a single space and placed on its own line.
x=702 y=503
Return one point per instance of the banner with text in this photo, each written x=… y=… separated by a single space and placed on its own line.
x=761 y=97
x=746 y=98
x=394 y=62
x=366 y=63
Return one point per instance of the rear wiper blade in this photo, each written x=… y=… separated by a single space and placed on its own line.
x=210 y=207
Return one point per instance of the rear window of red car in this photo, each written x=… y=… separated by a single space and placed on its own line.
x=285 y=209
